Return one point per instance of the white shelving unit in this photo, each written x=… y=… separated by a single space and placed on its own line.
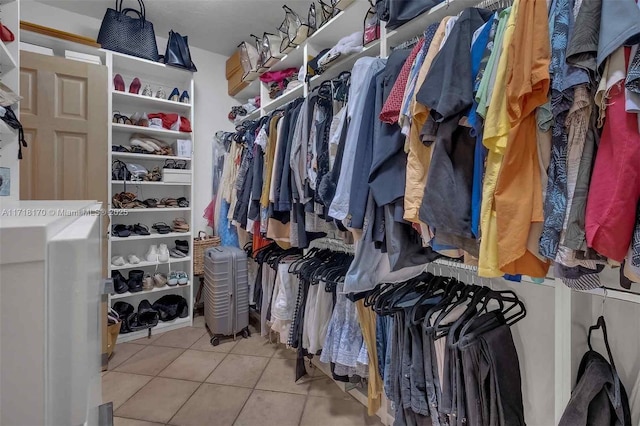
x=10 y=76
x=165 y=77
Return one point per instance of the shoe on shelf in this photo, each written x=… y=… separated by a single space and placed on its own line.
x=175 y=253
x=135 y=280
x=152 y=254
x=180 y=225
x=118 y=261
x=173 y=279
x=147 y=282
x=147 y=91
x=133 y=259
x=183 y=278
x=160 y=279
x=118 y=83
x=163 y=253
x=175 y=95
x=161 y=94
x=119 y=282
x=140 y=229
x=135 y=86
x=183 y=246
x=184 y=98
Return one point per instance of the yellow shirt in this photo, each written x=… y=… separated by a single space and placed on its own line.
x=495 y=139
x=518 y=194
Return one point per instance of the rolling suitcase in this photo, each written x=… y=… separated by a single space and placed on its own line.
x=226 y=292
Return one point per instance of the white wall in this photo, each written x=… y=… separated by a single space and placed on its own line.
x=211 y=101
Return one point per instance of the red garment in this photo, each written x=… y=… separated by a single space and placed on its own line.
x=169 y=120
x=615 y=185
x=391 y=110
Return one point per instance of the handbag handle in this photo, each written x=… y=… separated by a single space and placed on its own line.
x=127 y=10
x=142 y=11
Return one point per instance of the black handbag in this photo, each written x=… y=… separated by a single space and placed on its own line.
x=401 y=11
x=178 y=53
x=129 y=35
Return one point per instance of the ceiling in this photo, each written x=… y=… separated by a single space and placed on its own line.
x=214 y=25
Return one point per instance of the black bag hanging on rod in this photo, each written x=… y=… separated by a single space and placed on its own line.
x=129 y=35
x=178 y=53
x=402 y=11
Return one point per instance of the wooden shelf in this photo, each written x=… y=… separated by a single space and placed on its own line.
x=148 y=103
x=163 y=133
x=145 y=292
x=153 y=236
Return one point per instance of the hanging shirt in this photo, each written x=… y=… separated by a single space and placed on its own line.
x=518 y=194
x=362 y=73
x=496 y=132
x=419 y=154
x=448 y=91
x=615 y=184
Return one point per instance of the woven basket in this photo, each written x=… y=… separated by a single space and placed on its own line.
x=200 y=244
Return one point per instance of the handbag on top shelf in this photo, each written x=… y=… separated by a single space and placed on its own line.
x=178 y=53
x=133 y=36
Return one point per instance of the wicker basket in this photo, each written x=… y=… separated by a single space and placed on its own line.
x=201 y=243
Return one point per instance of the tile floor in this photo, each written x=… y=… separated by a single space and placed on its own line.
x=179 y=379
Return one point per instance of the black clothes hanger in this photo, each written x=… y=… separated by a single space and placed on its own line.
x=601 y=324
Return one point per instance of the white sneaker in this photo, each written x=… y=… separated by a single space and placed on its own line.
x=117 y=261
x=163 y=253
x=152 y=254
x=133 y=259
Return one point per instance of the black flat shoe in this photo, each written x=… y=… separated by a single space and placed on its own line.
x=120 y=231
x=140 y=229
x=135 y=280
x=183 y=246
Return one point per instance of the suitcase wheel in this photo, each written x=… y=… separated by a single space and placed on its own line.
x=245 y=333
x=215 y=341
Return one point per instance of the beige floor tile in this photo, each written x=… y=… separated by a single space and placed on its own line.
x=199 y=322
x=336 y=412
x=122 y=352
x=204 y=344
x=280 y=376
x=119 y=387
x=193 y=365
x=327 y=388
x=212 y=405
x=271 y=408
x=150 y=361
x=158 y=401
x=255 y=345
x=283 y=352
x=181 y=338
x=238 y=370
x=121 y=421
x=147 y=340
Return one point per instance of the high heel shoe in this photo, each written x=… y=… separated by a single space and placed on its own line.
x=135 y=86
x=147 y=91
x=118 y=83
x=161 y=94
x=185 y=97
x=175 y=95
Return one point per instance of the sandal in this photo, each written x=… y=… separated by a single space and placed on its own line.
x=140 y=229
x=160 y=279
x=154 y=175
x=133 y=259
x=151 y=203
x=147 y=282
x=120 y=231
x=118 y=261
x=120 y=199
x=175 y=253
x=135 y=204
x=183 y=246
x=180 y=225
x=169 y=202
x=183 y=202
x=162 y=228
